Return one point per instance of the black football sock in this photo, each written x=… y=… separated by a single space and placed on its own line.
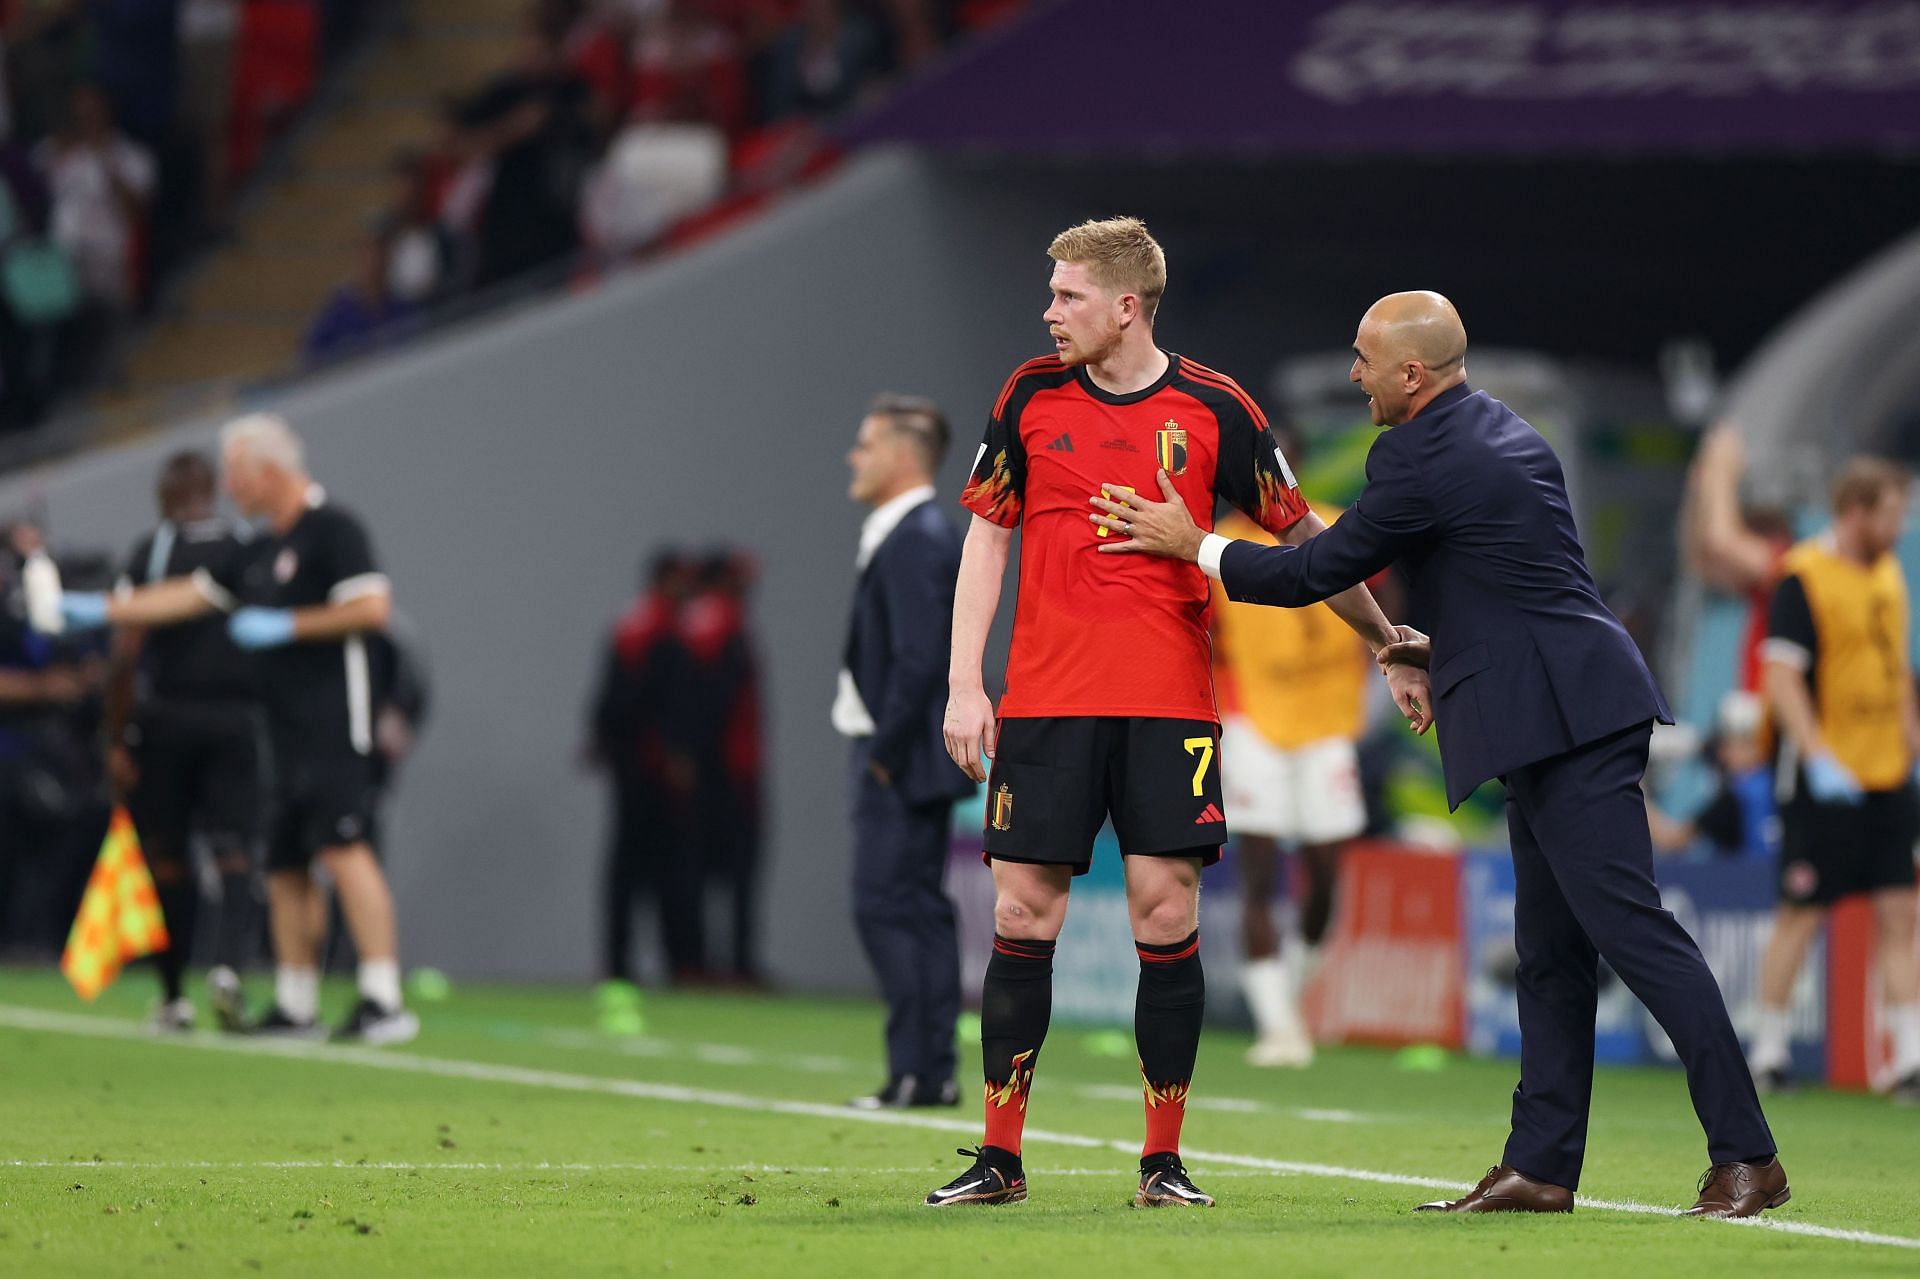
x=1016 y=1004
x=1167 y=1011
x=179 y=896
x=237 y=931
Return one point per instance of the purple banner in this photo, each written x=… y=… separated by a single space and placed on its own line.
x=1129 y=77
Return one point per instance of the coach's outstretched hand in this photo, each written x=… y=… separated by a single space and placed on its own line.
x=1158 y=528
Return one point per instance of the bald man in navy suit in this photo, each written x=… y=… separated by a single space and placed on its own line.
x=1536 y=683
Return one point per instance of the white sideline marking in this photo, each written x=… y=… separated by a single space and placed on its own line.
x=391 y=1165
x=710 y=1054
x=489 y=1072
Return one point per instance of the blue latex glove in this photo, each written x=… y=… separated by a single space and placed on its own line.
x=1830 y=781
x=84 y=610
x=261 y=627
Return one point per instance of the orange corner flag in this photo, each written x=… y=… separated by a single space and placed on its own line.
x=119 y=916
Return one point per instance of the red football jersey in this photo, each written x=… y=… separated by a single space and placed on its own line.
x=1101 y=634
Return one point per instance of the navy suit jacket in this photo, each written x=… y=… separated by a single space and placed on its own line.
x=1471 y=503
x=897 y=653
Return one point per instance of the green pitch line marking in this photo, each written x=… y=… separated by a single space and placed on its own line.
x=489 y=1072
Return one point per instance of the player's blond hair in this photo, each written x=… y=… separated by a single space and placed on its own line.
x=1866 y=482
x=1121 y=255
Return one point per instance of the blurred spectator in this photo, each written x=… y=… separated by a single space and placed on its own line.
x=363 y=310
x=184 y=749
x=653 y=175
x=136 y=63
x=1733 y=549
x=722 y=712
x=101 y=180
x=39 y=298
x=635 y=734
x=422 y=256
x=1740 y=820
x=208 y=31
x=820 y=64
x=1296 y=683
x=51 y=807
x=686 y=67
x=532 y=121
x=1838 y=675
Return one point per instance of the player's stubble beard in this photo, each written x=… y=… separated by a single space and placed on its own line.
x=1082 y=351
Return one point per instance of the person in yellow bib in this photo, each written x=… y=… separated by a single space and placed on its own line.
x=1293 y=691
x=1840 y=680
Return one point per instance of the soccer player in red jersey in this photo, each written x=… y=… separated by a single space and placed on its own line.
x=1109 y=704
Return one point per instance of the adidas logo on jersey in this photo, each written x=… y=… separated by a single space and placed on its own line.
x=1062 y=443
x=1211 y=813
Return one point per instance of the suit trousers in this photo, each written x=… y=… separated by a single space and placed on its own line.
x=906 y=921
x=1584 y=889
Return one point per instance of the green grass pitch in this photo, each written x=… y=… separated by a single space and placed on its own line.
x=512 y=1139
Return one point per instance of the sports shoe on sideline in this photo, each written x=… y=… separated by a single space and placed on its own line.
x=372 y=1024
x=172 y=1017
x=994 y=1179
x=278 y=1024
x=1164 y=1184
x=1775 y=1081
x=1906 y=1089
x=903 y=1091
x=1282 y=1050
x=223 y=993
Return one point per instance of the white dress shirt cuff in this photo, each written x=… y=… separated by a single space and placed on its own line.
x=1212 y=547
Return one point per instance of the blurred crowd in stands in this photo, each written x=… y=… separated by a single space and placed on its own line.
x=125 y=126
x=623 y=125
x=676 y=726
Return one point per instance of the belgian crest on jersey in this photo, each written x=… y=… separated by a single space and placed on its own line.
x=1000 y=811
x=1170 y=446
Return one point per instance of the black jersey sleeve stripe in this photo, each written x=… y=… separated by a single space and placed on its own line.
x=1203 y=374
x=1040 y=364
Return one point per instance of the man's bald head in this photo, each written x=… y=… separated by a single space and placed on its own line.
x=1410 y=347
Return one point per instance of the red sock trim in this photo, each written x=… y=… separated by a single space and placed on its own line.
x=1169 y=954
x=1023 y=947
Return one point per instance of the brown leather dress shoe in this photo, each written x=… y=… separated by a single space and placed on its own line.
x=1741 y=1190
x=1506 y=1189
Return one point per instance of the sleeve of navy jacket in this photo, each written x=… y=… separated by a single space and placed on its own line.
x=1390 y=513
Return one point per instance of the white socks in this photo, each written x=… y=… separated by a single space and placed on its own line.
x=1771 y=1050
x=380 y=982
x=1904 y=1022
x=297 y=992
x=1269 y=995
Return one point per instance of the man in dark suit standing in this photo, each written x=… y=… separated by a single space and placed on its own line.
x=1534 y=682
x=891 y=699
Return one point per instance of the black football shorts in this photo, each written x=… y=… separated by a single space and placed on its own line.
x=325 y=799
x=1830 y=851
x=201 y=773
x=1054 y=780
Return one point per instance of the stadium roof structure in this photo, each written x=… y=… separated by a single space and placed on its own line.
x=1283 y=77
